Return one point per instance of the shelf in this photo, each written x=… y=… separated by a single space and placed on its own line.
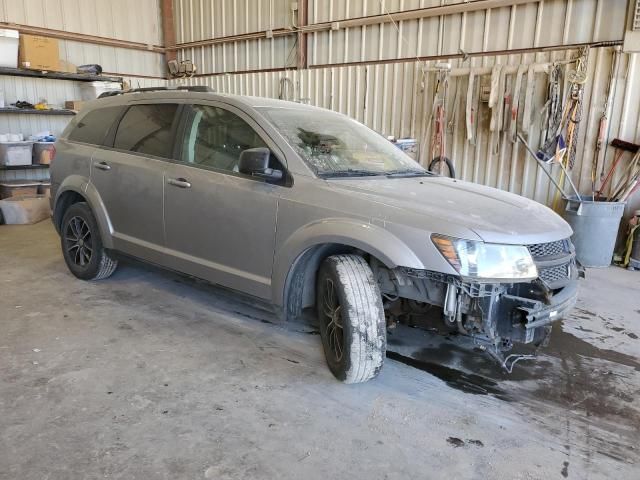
x=22 y=167
x=76 y=77
x=33 y=111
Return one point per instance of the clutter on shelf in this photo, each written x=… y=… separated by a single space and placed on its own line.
x=37 y=149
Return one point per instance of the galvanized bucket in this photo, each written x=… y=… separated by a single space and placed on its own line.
x=595 y=229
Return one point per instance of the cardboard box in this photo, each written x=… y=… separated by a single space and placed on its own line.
x=25 y=209
x=16 y=188
x=67 y=67
x=73 y=104
x=39 y=53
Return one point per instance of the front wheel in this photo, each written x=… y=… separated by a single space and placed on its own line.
x=352 y=321
x=82 y=247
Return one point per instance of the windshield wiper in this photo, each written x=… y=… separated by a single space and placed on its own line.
x=351 y=172
x=408 y=173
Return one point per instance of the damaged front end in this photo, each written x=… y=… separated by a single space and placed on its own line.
x=499 y=314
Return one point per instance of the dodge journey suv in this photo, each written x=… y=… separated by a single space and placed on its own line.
x=305 y=208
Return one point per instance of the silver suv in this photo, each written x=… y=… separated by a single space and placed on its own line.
x=306 y=208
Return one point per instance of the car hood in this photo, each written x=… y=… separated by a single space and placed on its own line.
x=494 y=215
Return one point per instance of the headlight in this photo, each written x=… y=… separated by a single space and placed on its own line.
x=490 y=261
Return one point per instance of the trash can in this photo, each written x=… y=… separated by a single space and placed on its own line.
x=595 y=229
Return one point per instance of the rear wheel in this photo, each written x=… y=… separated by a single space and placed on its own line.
x=352 y=321
x=82 y=247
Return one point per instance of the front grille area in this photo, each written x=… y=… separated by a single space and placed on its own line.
x=554 y=260
x=554 y=275
x=549 y=249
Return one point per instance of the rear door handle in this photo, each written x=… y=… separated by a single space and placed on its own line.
x=179 y=182
x=103 y=166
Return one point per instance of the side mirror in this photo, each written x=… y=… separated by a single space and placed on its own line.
x=255 y=162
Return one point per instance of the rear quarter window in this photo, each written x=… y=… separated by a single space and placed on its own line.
x=94 y=126
x=147 y=129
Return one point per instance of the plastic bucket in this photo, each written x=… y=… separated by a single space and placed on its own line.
x=595 y=229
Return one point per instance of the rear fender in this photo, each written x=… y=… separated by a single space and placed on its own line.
x=82 y=186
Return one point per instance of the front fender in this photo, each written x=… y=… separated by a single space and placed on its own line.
x=82 y=186
x=367 y=237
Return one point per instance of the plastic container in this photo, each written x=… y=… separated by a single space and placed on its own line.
x=92 y=90
x=17 y=188
x=44 y=189
x=9 y=48
x=14 y=154
x=595 y=229
x=43 y=153
x=408 y=146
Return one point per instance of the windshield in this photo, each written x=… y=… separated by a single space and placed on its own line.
x=334 y=145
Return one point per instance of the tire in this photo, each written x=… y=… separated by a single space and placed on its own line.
x=437 y=162
x=351 y=317
x=81 y=244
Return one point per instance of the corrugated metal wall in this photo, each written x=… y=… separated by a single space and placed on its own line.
x=396 y=97
x=137 y=21
x=531 y=25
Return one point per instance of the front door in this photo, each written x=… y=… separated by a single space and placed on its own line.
x=129 y=178
x=220 y=225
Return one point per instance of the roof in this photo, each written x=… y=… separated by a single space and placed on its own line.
x=255 y=102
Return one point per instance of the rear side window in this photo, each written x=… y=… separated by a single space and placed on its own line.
x=147 y=129
x=95 y=125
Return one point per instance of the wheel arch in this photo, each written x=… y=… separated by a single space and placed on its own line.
x=296 y=267
x=77 y=189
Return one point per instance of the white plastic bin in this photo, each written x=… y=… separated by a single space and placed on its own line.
x=92 y=90
x=14 y=154
x=9 y=48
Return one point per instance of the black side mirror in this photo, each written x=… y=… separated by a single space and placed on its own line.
x=255 y=162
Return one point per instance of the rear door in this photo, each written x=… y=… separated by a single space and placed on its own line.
x=219 y=224
x=129 y=177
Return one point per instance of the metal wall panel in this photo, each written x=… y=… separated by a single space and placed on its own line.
x=565 y=22
x=259 y=54
x=397 y=98
x=204 y=19
x=137 y=21
x=55 y=93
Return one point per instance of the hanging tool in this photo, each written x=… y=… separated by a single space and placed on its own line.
x=572 y=115
x=439 y=114
x=469 y=109
x=544 y=161
x=621 y=146
x=551 y=114
x=628 y=181
x=528 y=99
x=515 y=103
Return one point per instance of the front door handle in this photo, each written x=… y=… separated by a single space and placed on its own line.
x=103 y=166
x=179 y=182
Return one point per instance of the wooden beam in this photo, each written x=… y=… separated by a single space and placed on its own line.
x=81 y=37
x=303 y=9
x=168 y=29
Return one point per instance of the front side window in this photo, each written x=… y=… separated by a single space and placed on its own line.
x=215 y=138
x=94 y=126
x=147 y=129
x=335 y=145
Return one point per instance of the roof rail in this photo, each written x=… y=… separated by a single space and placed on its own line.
x=188 y=88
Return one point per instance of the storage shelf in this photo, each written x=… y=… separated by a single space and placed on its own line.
x=22 y=167
x=76 y=77
x=33 y=111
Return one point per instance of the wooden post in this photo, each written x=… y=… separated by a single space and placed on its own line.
x=303 y=20
x=168 y=29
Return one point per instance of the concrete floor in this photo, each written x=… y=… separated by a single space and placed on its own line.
x=152 y=375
